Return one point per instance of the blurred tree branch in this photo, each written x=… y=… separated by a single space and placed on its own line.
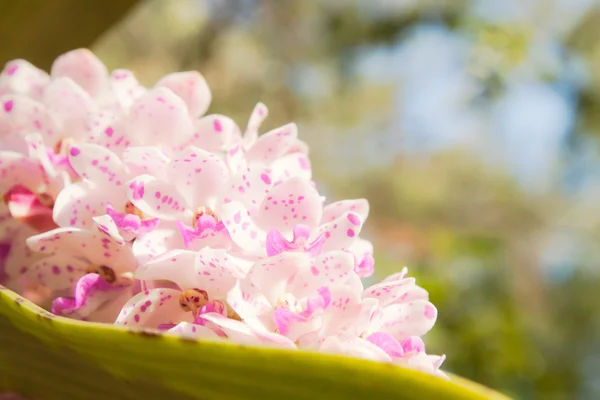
x=40 y=30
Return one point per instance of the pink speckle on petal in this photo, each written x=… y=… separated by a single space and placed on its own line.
x=350 y=233
x=8 y=105
x=304 y=163
x=354 y=219
x=266 y=179
x=430 y=311
x=218 y=126
x=75 y=151
x=138 y=191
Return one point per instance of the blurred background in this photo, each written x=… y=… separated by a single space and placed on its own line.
x=473 y=128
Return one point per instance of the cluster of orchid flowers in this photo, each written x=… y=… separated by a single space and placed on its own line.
x=127 y=205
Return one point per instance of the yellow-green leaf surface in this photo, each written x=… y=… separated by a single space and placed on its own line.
x=47 y=357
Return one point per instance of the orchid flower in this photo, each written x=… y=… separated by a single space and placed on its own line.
x=291 y=217
x=91 y=270
x=103 y=189
x=202 y=280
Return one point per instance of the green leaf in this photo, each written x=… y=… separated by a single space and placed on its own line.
x=48 y=357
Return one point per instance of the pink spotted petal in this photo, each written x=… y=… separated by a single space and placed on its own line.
x=61 y=240
x=271 y=275
x=22 y=115
x=54 y=166
x=146 y=161
x=242 y=229
x=248 y=301
x=217 y=272
x=84 y=68
x=193 y=331
x=211 y=133
x=249 y=186
x=363 y=254
x=178 y=266
x=293 y=202
x=159 y=118
x=343 y=310
x=17 y=169
x=157 y=199
x=293 y=325
x=20 y=76
x=324 y=270
x=353 y=346
x=241 y=333
x=288 y=166
x=335 y=210
x=342 y=232
x=400 y=291
x=71 y=104
x=368 y=309
x=153 y=308
x=355 y=282
x=404 y=320
x=387 y=343
x=235 y=157
x=272 y=339
x=94 y=246
x=125 y=88
x=413 y=344
x=107 y=225
x=236 y=331
x=273 y=144
x=157 y=242
x=78 y=203
x=259 y=114
x=108 y=129
x=91 y=293
x=192 y=88
x=299 y=147
x=97 y=164
x=57 y=272
x=198 y=175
